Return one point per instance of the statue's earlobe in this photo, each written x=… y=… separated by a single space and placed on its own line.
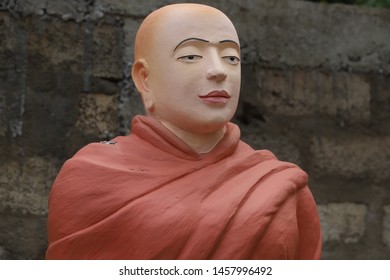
x=140 y=75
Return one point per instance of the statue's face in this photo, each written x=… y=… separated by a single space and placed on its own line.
x=195 y=70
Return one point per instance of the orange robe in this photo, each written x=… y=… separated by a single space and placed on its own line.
x=150 y=196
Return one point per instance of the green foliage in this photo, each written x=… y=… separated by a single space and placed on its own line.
x=371 y=3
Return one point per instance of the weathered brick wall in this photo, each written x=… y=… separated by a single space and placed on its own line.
x=315 y=91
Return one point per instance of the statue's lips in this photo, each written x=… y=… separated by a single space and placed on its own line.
x=216 y=96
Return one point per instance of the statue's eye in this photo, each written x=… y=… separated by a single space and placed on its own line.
x=190 y=58
x=232 y=59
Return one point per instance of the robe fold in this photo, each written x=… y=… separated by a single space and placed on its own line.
x=151 y=196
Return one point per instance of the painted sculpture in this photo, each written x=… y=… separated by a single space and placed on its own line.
x=183 y=185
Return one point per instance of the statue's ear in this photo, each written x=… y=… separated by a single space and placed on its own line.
x=140 y=74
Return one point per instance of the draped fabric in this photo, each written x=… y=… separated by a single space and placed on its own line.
x=150 y=196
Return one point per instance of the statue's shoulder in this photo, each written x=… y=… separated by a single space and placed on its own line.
x=103 y=149
x=245 y=148
x=99 y=154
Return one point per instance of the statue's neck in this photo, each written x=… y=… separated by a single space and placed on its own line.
x=201 y=143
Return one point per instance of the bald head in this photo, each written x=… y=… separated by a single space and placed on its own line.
x=170 y=18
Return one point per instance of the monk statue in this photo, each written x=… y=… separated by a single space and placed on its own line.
x=183 y=185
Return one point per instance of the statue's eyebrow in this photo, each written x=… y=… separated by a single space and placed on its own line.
x=206 y=41
x=230 y=41
x=190 y=39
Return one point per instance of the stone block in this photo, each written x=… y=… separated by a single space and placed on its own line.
x=12 y=103
x=351 y=97
x=3 y=122
x=98 y=115
x=3 y=253
x=343 y=222
x=386 y=225
x=380 y=105
x=251 y=85
x=344 y=96
x=24 y=187
x=107 y=52
x=23 y=236
x=279 y=142
x=130 y=29
x=7 y=38
x=12 y=74
x=352 y=156
x=71 y=9
x=50 y=111
x=56 y=41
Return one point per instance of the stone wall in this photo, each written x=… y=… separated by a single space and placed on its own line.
x=315 y=91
